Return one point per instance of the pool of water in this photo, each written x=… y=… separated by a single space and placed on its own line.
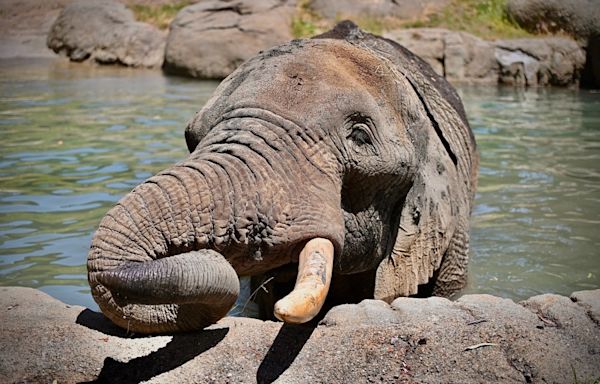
x=75 y=138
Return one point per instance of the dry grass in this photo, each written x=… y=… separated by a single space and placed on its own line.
x=484 y=18
x=159 y=15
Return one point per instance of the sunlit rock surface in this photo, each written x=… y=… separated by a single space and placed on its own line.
x=478 y=338
x=106 y=32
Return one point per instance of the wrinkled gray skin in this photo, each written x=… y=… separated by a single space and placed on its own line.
x=347 y=137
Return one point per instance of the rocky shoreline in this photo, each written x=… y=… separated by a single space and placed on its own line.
x=209 y=39
x=477 y=338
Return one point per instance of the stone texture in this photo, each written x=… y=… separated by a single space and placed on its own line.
x=212 y=38
x=106 y=32
x=399 y=9
x=540 y=61
x=461 y=57
x=458 y=56
x=545 y=339
x=580 y=18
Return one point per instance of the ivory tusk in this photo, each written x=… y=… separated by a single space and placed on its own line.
x=312 y=284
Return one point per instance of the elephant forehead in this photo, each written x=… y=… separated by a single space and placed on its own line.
x=321 y=72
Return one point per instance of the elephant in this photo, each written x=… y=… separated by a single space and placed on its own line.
x=343 y=158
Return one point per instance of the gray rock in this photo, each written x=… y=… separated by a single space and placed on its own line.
x=365 y=313
x=590 y=300
x=461 y=57
x=399 y=9
x=458 y=56
x=106 y=32
x=540 y=61
x=580 y=18
x=478 y=338
x=212 y=38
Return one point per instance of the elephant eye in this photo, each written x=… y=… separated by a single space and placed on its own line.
x=360 y=134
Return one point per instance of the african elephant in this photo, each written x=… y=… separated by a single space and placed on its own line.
x=344 y=155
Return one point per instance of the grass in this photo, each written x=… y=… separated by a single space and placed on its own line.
x=484 y=18
x=306 y=23
x=159 y=15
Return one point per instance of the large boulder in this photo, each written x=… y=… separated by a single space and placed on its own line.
x=398 y=9
x=464 y=58
x=212 y=38
x=479 y=338
x=458 y=56
x=106 y=32
x=540 y=61
x=580 y=18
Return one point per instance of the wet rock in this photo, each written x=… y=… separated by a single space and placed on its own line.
x=106 y=32
x=540 y=61
x=212 y=38
x=458 y=56
x=400 y=9
x=478 y=338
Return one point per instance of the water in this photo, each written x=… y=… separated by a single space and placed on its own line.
x=536 y=223
x=75 y=138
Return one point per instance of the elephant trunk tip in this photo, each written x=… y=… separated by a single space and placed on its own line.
x=201 y=286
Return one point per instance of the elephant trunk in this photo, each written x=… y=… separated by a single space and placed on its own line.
x=150 y=267
x=167 y=256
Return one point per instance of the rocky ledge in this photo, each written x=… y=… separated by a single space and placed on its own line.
x=478 y=338
x=209 y=39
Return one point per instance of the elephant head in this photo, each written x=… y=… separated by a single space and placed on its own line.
x=344 y=154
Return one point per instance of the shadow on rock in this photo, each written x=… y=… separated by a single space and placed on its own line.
x=181 y=349
x=98 y=322
x=285 y=348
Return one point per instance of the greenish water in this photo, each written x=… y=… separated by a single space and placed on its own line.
x=75 y=138
x=536 y=224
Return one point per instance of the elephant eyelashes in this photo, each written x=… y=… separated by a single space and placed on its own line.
x=360 y=130
x=360 y=134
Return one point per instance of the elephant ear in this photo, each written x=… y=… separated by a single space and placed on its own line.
x=432 y=238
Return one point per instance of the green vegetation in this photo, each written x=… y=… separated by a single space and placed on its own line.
x=484 y=18
x=305 y=21
x=159 y=15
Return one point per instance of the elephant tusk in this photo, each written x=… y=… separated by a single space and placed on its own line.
x=312 y=284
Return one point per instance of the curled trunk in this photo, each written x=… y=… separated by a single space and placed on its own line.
x=168 y=256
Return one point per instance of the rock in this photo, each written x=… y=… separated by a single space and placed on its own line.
x=106 y=32
x=461 y=57
x=212 y=38
x=581 y=18
x=399 y=9
x=591 y=302
x=540 y=61
x=479 y=338
x=458 y=56
x=24 y=27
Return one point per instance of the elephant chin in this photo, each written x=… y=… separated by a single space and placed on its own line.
x=315 y=265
